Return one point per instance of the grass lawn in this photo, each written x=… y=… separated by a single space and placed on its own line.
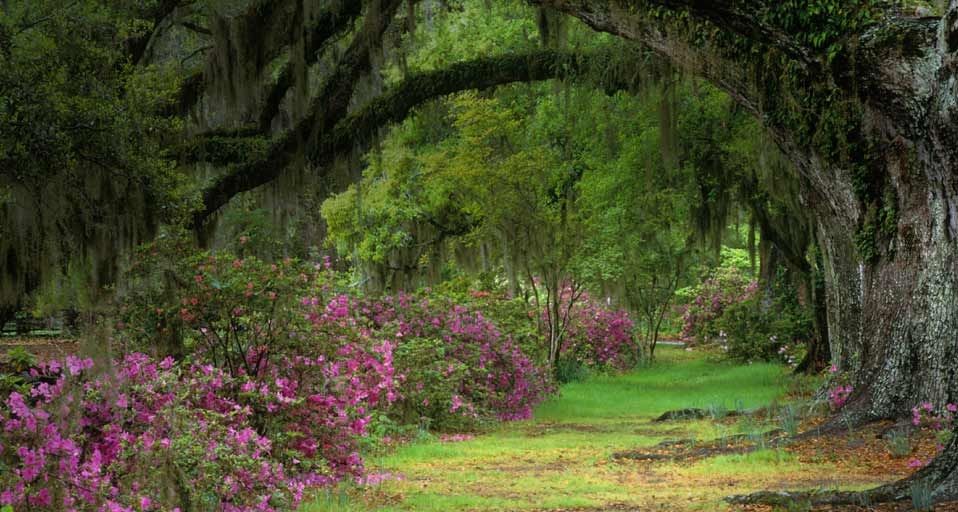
x=561 y=460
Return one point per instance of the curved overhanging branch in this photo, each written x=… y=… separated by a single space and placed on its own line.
x=396 y=104
x=621 y=18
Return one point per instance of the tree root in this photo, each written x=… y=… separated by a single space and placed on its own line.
x=847 y=420
x=693 y=414
x=936 y=483
x=686 y=449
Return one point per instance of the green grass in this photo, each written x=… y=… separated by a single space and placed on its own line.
x=562 y=458
x=680 y=379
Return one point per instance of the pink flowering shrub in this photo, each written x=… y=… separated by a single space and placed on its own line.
x=710 y=301
x=839 y=388
x=599 y=337
x=454 y=366
x=162 y=436
x=838 y=396
x=221 y=307
x=941 y=420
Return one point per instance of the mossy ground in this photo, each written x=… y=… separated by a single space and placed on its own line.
x=562 y=459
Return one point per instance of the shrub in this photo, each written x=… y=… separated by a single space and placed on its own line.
x=728 y=309
x=598 y=337
x=455 y=367
x=753 y=329
x=709 y=300
x=220 y=306
x=157 y=435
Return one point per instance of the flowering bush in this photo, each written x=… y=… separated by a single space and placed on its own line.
x=455 y=367
x=157 y=435
x=838 y=396
x=710 y=300
x=727 y=309
x=220 y=306
x=839 y=388
x=452 y=363
x=599 y=337
x=941 y=420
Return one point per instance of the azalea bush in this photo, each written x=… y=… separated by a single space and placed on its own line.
x=159 y=435
x=598 y=337
x=728 y=309
x=454 y=365
x=709 y=300
x=757 y=330
x=218 y=305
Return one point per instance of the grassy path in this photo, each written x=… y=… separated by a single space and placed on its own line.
x=561 y=460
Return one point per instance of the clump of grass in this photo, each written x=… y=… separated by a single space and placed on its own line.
x=717 y=410
x=899 y=443
x=740 y=406
x=798 y=506
x=329 y=500
x=922 y=498
x=789 y=419
x=864 y=500
x=753 y=431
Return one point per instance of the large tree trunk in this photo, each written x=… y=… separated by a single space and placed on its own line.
x=892 y=260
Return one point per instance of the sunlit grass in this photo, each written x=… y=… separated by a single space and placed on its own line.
x=677 y=380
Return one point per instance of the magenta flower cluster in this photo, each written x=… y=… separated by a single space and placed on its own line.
x=599 y=336
x=938 y=419
x=458 y=362
x=154 y=435
x=838 y=396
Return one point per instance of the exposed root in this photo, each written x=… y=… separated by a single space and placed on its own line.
x=694 y=414
x=937 y=483
x=688 y=449
x=846 y=420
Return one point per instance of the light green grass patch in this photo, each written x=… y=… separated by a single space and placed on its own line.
x=562 y=459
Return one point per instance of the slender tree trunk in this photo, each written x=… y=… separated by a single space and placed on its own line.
x=818 y=355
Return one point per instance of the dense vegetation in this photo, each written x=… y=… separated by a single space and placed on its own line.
x=291 y=235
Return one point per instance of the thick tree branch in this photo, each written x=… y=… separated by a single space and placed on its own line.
x=394 y=105
x=325 y=110
x=743 y=17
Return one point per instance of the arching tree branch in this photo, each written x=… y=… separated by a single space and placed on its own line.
x=741 y=17
x=395 y=104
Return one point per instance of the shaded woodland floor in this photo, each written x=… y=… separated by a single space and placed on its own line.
x=597 y=447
